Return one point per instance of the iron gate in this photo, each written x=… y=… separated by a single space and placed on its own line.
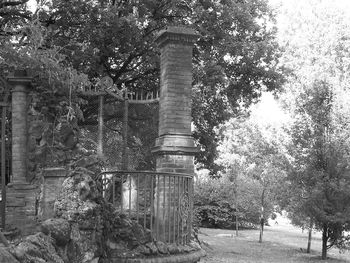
x=5 y=140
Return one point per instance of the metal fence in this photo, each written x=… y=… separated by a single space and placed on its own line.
x=160 y=202
x=5 y=142
x=120 y=126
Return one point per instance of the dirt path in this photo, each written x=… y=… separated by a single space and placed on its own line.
x=280 y=244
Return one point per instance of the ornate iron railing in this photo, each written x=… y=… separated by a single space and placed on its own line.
x=5 y=161
x=160 y=202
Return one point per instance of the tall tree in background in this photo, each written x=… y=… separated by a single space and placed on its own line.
x=321 y=170
x=316 y=46
x=255 y=151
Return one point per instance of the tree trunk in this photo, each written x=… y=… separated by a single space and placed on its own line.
x=100 y=127
x=261 y=229
x=125 y=162
x=236 y=204
x=324 y=241
x=262 y=217
x=236 y=224
x=310 y=236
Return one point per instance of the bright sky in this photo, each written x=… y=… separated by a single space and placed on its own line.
x=341 y=3
x=31 y=5
x=269 y=112
x=306 y=11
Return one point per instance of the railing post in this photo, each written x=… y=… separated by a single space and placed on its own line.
x=4 y=157
x=3 y=165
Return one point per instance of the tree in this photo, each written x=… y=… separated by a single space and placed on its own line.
x=317 y=51
x=321 y=170
x=73 y=44
x=12 y=13
x=235 y=58
x=217 y=204
x=254 y=152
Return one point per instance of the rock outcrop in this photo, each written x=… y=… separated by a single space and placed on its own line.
x=36 y=248
x=87 y=229
x=74 y=235
x=6 y=256
x=79 y=204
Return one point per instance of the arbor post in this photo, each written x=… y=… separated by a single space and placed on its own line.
x=174 y=148
x=21 y=196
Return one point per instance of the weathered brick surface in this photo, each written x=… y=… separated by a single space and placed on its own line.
x=176 y=46
x=175 y=95
x=175 y=146
x=175 y=163
x=21 y=207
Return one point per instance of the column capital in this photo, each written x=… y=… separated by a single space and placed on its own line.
x=177 y=35
x=20 y=80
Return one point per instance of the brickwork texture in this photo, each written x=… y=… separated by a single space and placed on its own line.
x=174 y=145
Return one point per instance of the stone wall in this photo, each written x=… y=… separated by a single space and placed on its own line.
x=52 y=181
x=22 y=207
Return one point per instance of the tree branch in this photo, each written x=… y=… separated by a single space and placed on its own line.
x=12 y=3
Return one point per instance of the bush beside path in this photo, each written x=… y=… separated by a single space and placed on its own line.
x=281 y=243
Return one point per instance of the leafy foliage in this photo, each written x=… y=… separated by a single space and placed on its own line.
x=71 y=45
x=216 y=216
x=235 y=58
x=253 y=153
x=321 y=167
x=316 y=92
x=216 y=202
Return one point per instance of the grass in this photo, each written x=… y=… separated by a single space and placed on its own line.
x=281 y=243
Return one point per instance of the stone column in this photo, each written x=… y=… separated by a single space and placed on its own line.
x=20 y=86
x=21 y=196
x=174 y=147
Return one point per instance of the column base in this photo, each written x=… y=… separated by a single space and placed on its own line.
x=21 y=207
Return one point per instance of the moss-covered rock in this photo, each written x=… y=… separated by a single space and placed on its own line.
x=6 y=256
x=79 y=204
x=36 y=248
x=58 y=228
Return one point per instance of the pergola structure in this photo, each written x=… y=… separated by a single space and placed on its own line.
x=161 y=200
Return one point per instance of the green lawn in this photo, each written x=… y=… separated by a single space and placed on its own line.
x=281 y=243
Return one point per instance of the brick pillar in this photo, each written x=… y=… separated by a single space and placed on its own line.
x=175 y=145
x=21 y=196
